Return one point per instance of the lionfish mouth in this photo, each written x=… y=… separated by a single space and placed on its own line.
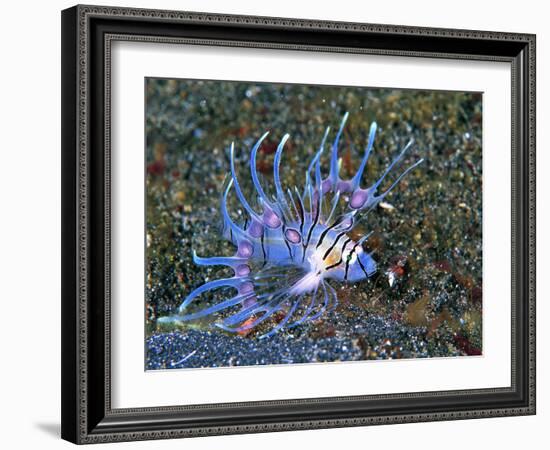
x=287 y=251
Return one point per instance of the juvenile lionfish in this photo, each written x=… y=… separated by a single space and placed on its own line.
x=287 y=251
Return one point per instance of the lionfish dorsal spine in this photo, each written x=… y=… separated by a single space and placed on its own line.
x=334 y=169
x=254 y=172
x=356 y=180
x=276 y=173
x=239 y=192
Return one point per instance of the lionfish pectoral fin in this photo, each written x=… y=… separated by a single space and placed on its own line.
x=327 y=304
x=258 y=313
x=272 y=295
x=305 y=287
x=230 y=261
x=234 y=282
x=238 y=299
x=310 y=307
x=287 y=317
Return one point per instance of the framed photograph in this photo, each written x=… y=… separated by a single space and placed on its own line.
x=280 y=224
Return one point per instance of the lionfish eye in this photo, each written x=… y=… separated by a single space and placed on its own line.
x=351 y=257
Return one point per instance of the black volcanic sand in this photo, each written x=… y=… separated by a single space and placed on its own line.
x=428 y=234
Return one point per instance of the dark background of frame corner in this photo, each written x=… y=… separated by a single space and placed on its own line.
x=520 y=50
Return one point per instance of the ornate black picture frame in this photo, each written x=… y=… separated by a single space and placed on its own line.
x=87 y=35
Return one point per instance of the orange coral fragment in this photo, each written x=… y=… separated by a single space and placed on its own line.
x=246 y=331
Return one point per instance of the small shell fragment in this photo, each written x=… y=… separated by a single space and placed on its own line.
x=387 y=206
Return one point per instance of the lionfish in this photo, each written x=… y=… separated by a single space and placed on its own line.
x=289 y=249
